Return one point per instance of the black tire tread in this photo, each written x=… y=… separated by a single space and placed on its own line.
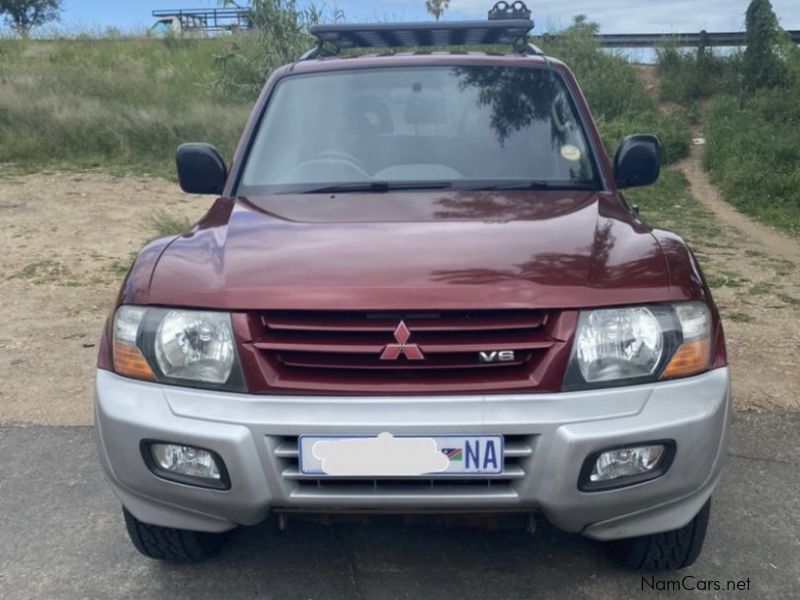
x=175 y=545
x=667 y=551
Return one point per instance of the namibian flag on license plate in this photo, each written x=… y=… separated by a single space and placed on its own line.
x=401 y=455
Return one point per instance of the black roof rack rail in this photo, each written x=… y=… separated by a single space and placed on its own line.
x=508 y=23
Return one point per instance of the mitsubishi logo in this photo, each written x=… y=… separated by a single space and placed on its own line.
x=410 y=351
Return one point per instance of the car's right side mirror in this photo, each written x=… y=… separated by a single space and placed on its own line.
x=201 y=169
x=638 y=161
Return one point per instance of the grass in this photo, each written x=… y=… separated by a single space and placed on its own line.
x=669 y=204
x=120 y=104
x=46 y=271
x=753 y=153
x=791 y=300
x=163 y=224
x=753 y=136
x=123 y=104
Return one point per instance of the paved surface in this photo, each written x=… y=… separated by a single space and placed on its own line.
x=62 y=537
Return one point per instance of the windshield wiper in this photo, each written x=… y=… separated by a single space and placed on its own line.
x=529 y=184
x=377 y=186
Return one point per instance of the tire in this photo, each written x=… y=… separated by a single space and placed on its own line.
x=668 y=551
x=174 y=545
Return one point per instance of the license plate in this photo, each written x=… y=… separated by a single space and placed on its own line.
x=386 y=455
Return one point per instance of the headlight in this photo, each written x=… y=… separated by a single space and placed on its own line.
x=638 y=344
x=179 y=346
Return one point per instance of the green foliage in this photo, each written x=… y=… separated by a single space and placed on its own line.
x=669 y=204
x=620 y=104
x=119 y=104
x=688 y=76
x=165 y=224
x=763 y=61
x=280 y=37
x=23 y=15
x=437 y=7
x=753 y=153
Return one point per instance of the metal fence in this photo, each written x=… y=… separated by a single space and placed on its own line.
x=702 y=39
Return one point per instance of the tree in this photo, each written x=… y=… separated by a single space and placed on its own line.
x=764 y=65
x=23 y=15
x=437 y=7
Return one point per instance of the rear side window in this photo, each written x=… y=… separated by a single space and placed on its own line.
x=472 y=126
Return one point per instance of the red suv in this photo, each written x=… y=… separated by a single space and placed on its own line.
x=419 y=290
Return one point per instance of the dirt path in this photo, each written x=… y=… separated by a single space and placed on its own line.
x=67 y=242
x=776 y=243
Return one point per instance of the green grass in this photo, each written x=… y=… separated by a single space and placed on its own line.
x=123 y=104
x=788 y=299
x=738 y=317
x=669 y=204
x=164 y=224
x=120 y=104
x=45 y=271
x=753 y=153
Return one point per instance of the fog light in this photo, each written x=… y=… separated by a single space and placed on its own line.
x=625 y=466
x=186 y=464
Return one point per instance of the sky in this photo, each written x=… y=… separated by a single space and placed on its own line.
x=614 y=16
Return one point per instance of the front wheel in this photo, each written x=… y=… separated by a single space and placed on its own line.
x=175 y=545
x=666 y=551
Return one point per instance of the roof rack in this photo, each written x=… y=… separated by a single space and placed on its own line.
x=508 y=23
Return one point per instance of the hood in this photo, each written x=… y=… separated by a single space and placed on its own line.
x=413 y=250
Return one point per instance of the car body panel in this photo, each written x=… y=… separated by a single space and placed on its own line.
x=405 y=251
x=253 y=434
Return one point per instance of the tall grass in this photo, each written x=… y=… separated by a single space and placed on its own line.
x=753 y=135
x=125 y=103
x=688 y=76
x=753 y=154
x=116 y=103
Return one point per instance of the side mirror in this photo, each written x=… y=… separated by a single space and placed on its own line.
x=201 y=169
x=638 y=161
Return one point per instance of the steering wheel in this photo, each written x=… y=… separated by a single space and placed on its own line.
x=337 y=155
x=332 y=157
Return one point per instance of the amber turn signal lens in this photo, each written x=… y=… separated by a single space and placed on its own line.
x=690 y=358
x=128 y=361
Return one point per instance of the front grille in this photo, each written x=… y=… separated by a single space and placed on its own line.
x=329 y=351
x=518 y=450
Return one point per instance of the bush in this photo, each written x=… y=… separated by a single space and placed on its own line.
x=763 y=61
x=752 y=153
x=280 y=36
x=688 y=76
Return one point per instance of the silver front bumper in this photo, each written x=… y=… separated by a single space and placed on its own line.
x=549 y=437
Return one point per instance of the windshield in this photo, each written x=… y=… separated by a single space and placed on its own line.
x=466 y=127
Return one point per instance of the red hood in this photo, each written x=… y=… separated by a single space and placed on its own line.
x=402 y=251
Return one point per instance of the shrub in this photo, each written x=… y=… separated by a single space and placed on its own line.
x=763 y=62
x=688 y=76
x=752 y=153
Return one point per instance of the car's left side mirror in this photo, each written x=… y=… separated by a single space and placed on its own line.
x=201 y=169
x=638 y=161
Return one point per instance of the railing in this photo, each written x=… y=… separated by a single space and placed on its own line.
x=685 y=40
x=209 y=19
